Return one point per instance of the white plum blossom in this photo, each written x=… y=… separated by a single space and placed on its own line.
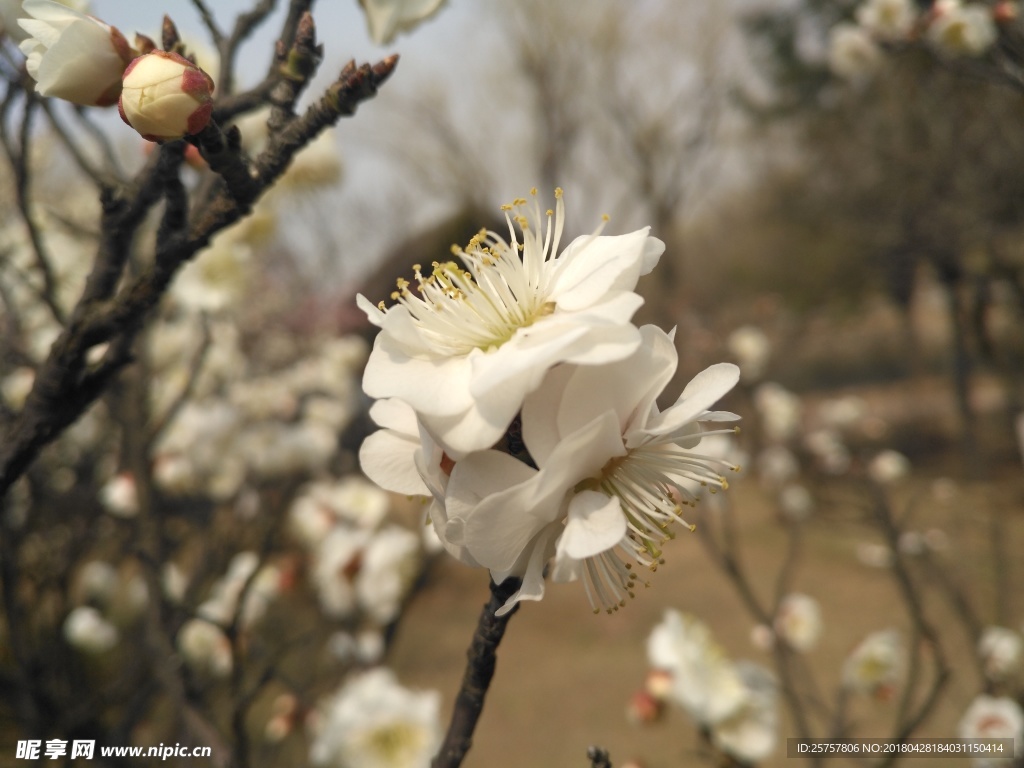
x=704 y=681
x=852 y=53
x=874 y=555
x=336 y=565
x=205 y=647
x=796 y=502
x=373 y=722
x=777 y=465
x=780 y=411
x=843 y=412
x=15 y=386
x=751 y=348
x=72 y=56
x=876 y=664
x=260 y=586
x=174 y=582
x=467 y=344
x=356 y=501
x=888 y=467
x=889 y=20
x=613 y=474
x=751 y=733
x=829 y=450
x=218 y=278
x=990 y=717
x=1001 y=651
x=962 y=30
x=388 y=568
x=11 y=11
x=87 y=630
x=389 y=18
x=798 y=621
x=403 y=458
x=119 y=495
x=97 y=581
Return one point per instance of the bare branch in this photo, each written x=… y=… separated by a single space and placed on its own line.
x=481 y=660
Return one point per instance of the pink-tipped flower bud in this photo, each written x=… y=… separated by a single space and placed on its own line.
x=643 y=708
x=165 y=96
x=1005 y=11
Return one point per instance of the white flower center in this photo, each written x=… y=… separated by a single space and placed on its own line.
x=499 y=291
x=649 y=485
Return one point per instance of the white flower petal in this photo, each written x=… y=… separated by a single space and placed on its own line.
x=595 y=524
x=703 y=391
x=591 y=266
x=388 y=459
x=393 y=413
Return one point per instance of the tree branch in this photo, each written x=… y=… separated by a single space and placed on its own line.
x=481 y=660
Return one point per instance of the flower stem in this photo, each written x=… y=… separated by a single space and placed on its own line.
x=481 y=659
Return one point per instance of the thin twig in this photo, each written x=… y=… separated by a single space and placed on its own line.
x=211 y=23
x=923 y=629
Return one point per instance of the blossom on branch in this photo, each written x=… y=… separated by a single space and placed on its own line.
x=467 y=344
x=72 y=56
x=165 y=96
x=852 y=53
x=889 y=20
x=959 y=30
x=876 y=664
x=613 y=474
x=375 y=722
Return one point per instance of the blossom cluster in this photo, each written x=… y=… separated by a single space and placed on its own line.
x=952 y=28
x=516 y=393
x=734 y=702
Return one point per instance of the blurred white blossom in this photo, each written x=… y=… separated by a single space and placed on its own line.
x=205 y=648
x=777 y=465
x=876 y=664
x=796 y=502
x=704 y=681
x=752 y=350
x=890 y=20
x=389 y=18
x=780 y=411
x=1001 y=651
x=829 y=450
x=989 y=717
x=852 y=53
x=373 y=722
x=962 y=30
x=388 y=568
x=87 y=630
x=751 y=733
x=119 y=495
x=888 y=467
x=798 y=621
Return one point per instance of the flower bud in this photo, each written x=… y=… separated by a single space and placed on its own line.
x=72 y=56
x=165 y=96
